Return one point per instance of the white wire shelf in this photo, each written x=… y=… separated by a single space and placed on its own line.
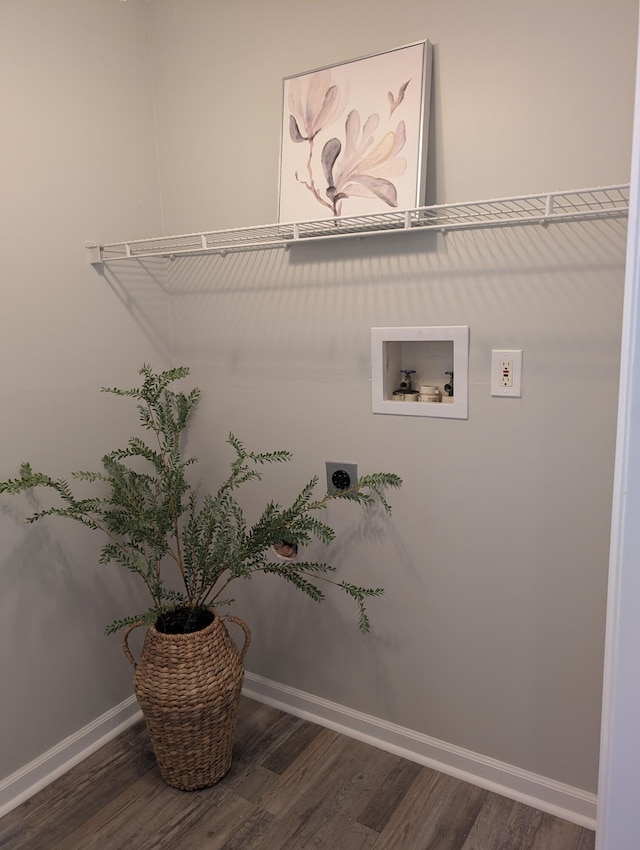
x=575 y=205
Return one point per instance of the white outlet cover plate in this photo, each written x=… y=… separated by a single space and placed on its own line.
x=498 y=357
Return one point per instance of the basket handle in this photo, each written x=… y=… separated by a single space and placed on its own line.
x=245 y=628
x=125 y=644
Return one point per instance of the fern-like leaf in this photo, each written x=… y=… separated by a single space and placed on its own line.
x=156 y=526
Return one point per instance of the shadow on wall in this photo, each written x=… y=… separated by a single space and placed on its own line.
x=141 y=287
x=281 y=611
x=259 y=312
x=263 y=301
x=63 y=562
x=371 y=259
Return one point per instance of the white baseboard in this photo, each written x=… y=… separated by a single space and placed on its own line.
x=26 y=781
x=542 y=793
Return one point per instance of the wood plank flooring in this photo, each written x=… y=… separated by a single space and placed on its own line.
x=293 y=785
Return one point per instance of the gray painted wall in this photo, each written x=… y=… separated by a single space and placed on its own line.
x=488 y=642
x=76 y=163
x=490 y=634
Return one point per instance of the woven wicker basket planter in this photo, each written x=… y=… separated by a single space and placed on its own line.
x=188 y=687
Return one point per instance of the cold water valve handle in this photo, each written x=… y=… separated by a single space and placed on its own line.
x=448 y=388
x=406 y=384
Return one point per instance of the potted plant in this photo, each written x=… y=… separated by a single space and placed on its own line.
x=189 y=674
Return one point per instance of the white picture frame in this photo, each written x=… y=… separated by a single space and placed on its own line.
x=354 y=136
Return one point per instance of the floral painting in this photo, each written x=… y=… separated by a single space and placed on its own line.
x=354 y=136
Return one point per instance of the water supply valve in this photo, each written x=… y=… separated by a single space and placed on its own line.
x=448 y=388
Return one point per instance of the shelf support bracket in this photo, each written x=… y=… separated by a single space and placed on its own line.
x=95 y=253
x=548 y=210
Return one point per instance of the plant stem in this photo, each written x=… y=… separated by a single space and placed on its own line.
x=176 y=529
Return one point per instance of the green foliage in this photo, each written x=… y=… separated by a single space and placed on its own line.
x=153 y=519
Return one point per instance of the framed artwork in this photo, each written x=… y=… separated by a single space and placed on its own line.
x=354 y=136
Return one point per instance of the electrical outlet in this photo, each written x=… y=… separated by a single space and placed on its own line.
x=341 y=476
x=506 y=373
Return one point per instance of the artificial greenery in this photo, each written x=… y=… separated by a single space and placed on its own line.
x=155 y=522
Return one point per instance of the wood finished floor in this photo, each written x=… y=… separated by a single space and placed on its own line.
x=292 y=785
